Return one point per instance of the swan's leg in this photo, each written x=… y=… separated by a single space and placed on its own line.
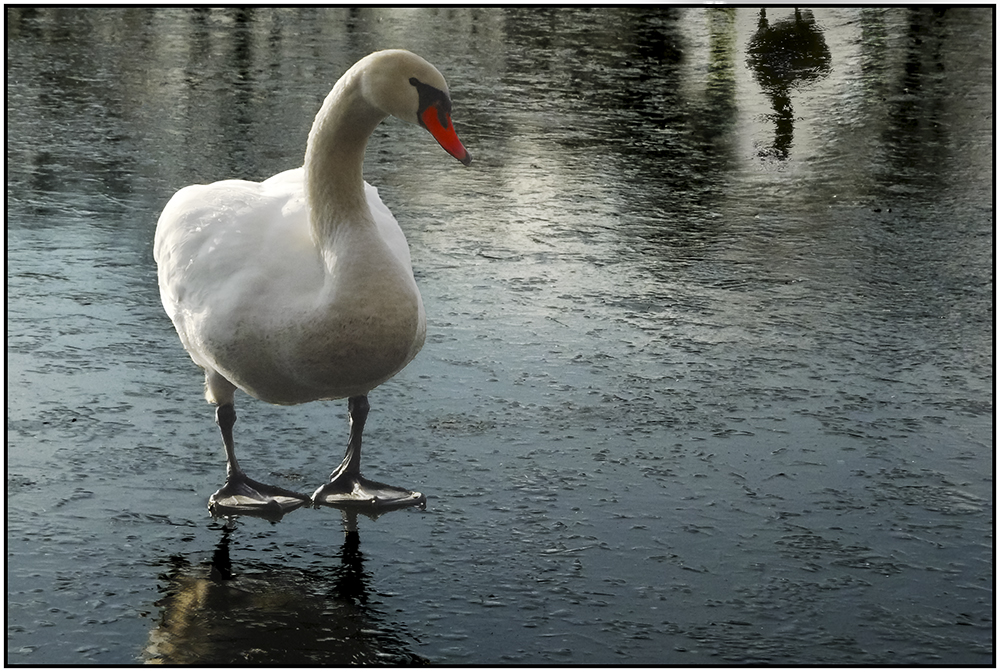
x=241 y=494
x=347 y=488
x=225 y=418
x=357 y=413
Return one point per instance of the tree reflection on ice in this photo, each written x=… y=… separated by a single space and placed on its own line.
x=783 y=56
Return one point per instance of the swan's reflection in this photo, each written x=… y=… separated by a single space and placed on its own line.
x=262 y=614
x=785 y=55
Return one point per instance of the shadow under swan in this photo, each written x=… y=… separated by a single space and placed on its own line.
x=272 y=615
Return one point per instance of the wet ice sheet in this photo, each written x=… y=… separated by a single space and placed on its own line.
x=684 y=399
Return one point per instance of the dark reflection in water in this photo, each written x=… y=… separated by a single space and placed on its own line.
x=784 y=56
x=609 y=89
x=254 y=613
x=916 y=135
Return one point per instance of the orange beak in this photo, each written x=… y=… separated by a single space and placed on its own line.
x=439 y=124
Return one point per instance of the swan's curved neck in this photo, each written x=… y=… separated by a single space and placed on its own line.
x=335 y=153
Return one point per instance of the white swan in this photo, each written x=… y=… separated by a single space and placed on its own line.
x=300 y=288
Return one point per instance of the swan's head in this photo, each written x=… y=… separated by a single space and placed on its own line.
x=406 y=86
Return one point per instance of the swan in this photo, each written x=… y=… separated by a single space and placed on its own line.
x=299 y=288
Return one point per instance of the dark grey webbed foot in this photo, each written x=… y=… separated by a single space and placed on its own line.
x=244 y=496
x=348 y=489
x=356 y=491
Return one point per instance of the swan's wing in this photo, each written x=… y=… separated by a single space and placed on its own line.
x=223 y=247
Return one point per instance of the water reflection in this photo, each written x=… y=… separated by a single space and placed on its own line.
x=226 y=613
x=786 y=55
x=920 y=107
x=617 y=118
x=680 y=405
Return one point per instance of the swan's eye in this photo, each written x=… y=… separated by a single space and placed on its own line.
x=430 y=96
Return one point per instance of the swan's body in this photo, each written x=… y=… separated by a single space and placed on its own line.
x=300 y=287
x=255 y=300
